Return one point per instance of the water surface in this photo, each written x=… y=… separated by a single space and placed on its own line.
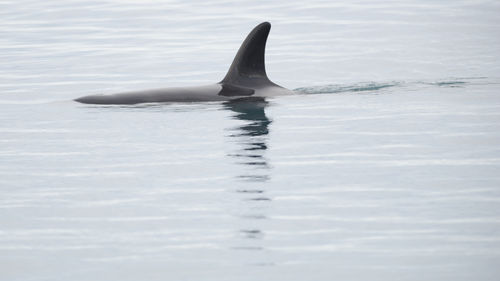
x=386 y=167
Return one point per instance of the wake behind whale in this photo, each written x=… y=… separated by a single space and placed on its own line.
x=246 y=78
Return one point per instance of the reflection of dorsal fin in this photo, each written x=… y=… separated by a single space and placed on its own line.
x=249 y=61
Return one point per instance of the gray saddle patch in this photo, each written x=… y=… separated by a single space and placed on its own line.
x=234 y=91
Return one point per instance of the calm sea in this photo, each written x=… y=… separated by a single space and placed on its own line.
x=385 y=167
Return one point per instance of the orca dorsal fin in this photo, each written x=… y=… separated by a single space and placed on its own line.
x=249 y=63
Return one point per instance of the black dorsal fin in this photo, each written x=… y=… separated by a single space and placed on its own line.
x=249 y=63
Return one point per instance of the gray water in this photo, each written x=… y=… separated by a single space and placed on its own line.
x=385 y=167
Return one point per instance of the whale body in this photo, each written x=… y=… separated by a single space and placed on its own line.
x=246 y=78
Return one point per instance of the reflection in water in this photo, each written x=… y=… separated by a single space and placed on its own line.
x=252 y=233
x=252 y=137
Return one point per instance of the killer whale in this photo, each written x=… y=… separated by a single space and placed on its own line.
x=246 y=78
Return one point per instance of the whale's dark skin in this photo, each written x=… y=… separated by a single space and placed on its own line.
x=246 y=78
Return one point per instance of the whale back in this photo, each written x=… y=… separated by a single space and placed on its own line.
x=245 y=79
x=248 y=67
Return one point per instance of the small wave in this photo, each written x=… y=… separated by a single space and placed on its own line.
x=446 y=83
x=377 y=86
x=337 y=88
